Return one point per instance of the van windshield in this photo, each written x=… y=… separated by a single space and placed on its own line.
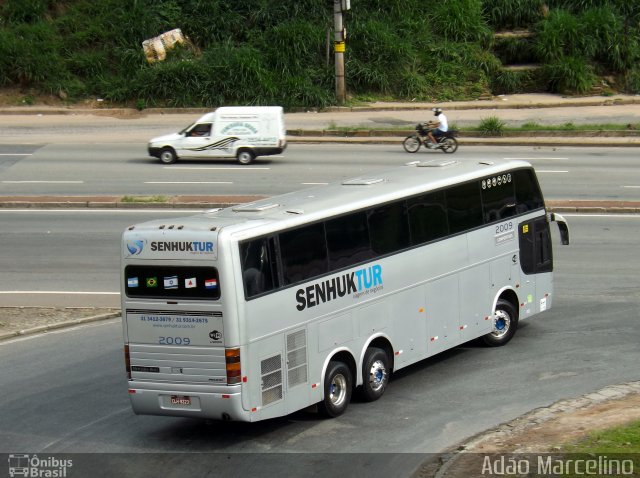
x=184 y=130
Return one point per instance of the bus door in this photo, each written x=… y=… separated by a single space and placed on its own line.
x=536 y=257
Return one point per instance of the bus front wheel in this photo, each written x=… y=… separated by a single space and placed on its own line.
x=375 y=374
x=338 y=384
x=505 y=323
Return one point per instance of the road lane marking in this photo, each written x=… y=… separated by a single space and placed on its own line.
x=632 y=187
x=315 y=184
x=16 y=154
x=214 y=168
x=42 y=182
x=533 y=159
x=549 y=171
x=188 y=182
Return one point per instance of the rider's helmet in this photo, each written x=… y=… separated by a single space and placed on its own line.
x=436 y=111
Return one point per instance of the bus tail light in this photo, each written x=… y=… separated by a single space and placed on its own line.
x=127 y=361
x=232 y=359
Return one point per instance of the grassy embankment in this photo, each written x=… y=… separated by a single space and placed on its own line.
x=272 y=52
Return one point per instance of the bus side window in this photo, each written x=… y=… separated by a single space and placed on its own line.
x=304 y=253
x=427 y=218
x=258 y=272
x=499 y=199
x=389 y=228
x=464 y=207
x=528 y=194
x=348 y=240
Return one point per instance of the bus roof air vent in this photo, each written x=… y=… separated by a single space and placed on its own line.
x=437 y=164
x=253 y=207
x=362 y=181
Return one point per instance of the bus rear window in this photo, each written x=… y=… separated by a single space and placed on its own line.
x=172 y=282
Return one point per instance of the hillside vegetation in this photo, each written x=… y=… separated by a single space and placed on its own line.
x=277 y=52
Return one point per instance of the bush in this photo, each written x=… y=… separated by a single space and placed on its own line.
x=459 y=21
x=510 y=81
x=508 y=14
x=632 y=81
x=569 y=75
x=491 y=126
x=558 y=35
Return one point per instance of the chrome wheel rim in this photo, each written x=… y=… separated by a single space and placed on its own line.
x=338 y=390
x=377 y=376
x=501 y=324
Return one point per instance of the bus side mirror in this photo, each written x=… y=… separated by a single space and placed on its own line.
x=563 y=227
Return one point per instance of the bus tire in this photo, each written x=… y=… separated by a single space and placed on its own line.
x=375 y=374
x=338 y=385
x=168 y=156
x=245 y=156
x=505 y=322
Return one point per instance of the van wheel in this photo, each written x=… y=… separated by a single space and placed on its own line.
x=245 y=156
x=505 y=323
x=338 y=384
x=168 y=156
x=375 y=374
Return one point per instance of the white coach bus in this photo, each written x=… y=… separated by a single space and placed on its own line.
x=262 y=309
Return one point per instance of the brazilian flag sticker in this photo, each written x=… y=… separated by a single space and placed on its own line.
x=152 y=282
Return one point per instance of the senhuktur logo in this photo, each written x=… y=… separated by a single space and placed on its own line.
x=135 y=246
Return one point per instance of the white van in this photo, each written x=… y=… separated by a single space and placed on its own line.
x=241 y=132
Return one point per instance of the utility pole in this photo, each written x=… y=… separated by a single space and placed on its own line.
x=339 y=37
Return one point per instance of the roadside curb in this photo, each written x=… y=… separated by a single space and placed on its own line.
x=59 y=325
x=437 y=467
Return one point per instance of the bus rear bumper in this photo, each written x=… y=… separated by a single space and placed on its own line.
x=191 y=401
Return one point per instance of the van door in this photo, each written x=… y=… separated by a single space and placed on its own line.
x=196 y=142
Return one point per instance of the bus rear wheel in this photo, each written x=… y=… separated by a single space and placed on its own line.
x=375 y=374
x=505 y=323
x=338 y=385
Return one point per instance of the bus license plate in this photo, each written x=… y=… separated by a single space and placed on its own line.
x=180 y=400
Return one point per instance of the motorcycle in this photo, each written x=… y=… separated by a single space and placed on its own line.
x=447 y=142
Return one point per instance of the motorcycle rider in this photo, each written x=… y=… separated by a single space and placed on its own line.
x=439 y=127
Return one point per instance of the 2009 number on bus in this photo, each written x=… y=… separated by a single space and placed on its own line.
x=174 y=340
x=506 y=227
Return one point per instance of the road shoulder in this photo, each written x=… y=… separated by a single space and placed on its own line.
x=21 y=321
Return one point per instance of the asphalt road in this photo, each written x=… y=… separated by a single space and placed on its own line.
x=65 y=258
x=65 y=392
x=125 y=169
